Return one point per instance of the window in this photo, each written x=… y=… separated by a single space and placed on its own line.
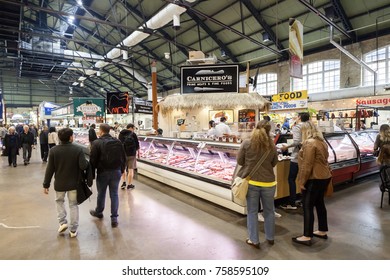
x=319 y=76
x=378 y=60
x=267 y=84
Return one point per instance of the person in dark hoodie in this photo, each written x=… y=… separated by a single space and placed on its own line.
x=44 y=142
x=12 y=145
x=131 y=144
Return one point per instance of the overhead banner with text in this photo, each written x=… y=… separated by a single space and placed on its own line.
x=295 y=44
x=143 y=106
x=88 y=106
x=118 y=102
x=209 y=79
x=290 y=100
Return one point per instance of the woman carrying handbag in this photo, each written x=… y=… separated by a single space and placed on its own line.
x=258 y=156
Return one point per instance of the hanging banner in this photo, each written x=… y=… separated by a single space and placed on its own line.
x=118 y=103
x=1 y=106
x=295 y=44
x=209 y=79
x=88 y=106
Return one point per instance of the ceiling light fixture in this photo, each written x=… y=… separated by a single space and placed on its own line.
x=71 y=19
x=98 y=73
x=79 y=2
x=125 y=54
x=167 y=55
x=82 y=84
x=265 y=37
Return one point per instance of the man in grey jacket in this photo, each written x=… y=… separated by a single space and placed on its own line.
x=66 y=163
x=292 y=176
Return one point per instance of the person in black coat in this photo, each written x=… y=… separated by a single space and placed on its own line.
x=92 y=133
x=12 y=145
x=26 y=142
x=66 y=162
x=44 y=142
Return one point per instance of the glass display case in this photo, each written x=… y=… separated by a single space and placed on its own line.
x=210 y=161
x=341 y=148
x=80 y=137
x=365 y=140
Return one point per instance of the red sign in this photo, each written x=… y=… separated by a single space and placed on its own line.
x=376 y=101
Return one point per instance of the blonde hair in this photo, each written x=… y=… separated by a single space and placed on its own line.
x=310 y=131
x=260 y=137
x=384 y=133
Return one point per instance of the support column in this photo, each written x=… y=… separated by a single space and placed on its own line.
x=154 y=95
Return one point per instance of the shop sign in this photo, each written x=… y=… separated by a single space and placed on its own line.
x=118 y=102
x=209 y=79
x=377 y=101
x=289 y=105
x=288 y=96
x=88 y=106
x=48 y=111
x=143 y=106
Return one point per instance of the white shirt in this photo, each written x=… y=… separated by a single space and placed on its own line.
x=221 y=129
x=212 y=132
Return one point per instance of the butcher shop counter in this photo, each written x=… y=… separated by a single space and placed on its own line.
x=203 y=168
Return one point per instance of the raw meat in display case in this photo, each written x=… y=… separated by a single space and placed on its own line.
x=205 y=159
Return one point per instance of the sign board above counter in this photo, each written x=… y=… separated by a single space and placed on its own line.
x=290 y=100
x=209 y=78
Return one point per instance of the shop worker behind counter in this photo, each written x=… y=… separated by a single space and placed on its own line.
x=297 y=143
x=222 y=129
x=109 y=159
x=66 y=163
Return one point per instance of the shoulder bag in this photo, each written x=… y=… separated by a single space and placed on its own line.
x=240 y=185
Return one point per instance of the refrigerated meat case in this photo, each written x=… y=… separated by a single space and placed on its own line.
x=80 y=138
x=204 y=169
x=350 y=153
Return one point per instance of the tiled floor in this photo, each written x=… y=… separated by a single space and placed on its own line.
x=157 y=222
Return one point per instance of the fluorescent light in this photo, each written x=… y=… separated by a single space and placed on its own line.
x=98 y=73
x=79 y=2
x=71 y=19
x=82 y=84
x=75 y=84
x=125 y=54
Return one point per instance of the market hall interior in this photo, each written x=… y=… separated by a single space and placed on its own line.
x=157 y=222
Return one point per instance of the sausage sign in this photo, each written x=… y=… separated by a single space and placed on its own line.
x=290 y=100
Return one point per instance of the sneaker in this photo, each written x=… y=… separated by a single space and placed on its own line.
x=114 y=224
x=95 y=214
x=288 y=207
x=123 y=186
x=73 y=234
x=277 y=215
x=131 y=186
x=260 y=217
x=62 y=228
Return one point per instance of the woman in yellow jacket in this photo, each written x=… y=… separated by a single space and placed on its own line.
x=313 y=178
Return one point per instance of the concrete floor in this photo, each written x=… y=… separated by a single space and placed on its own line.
x=160 y=223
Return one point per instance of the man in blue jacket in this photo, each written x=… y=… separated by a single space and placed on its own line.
x=66 y=162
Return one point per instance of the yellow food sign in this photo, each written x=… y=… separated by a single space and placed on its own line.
x=290 y=96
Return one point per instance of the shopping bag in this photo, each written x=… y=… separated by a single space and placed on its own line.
x=239 y=190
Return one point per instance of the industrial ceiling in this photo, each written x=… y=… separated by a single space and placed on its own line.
x=87 y=48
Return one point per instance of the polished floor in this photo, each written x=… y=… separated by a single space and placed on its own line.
x=160 y=223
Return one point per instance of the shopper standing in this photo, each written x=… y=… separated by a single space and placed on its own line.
x=382 y=138
x=26 y=142
x=44 y=143
x=262 y=184
x=313 y=179
x=109 y=159
x=292 y=176
x=52 y=137
x=131 y=144
x=92 y=133
x=66 y=163
x=12 y=145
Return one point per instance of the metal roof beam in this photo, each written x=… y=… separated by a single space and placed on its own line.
x=343 y=17
x=321 y=15
x=257 y=15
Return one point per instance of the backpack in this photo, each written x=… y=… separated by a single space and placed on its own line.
x=111 y=154
x=129 y=143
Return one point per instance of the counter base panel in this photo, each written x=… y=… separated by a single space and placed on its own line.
x=215 y=194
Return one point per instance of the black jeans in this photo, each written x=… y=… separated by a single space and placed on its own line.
x=26 y=152
x=292 y=176
x=44 y=151
x=12 y=153
x=312 y=197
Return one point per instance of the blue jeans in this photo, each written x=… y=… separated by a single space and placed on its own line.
x=292 y=176
x=267 y=200
x=111 y=180
x=73 y=208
